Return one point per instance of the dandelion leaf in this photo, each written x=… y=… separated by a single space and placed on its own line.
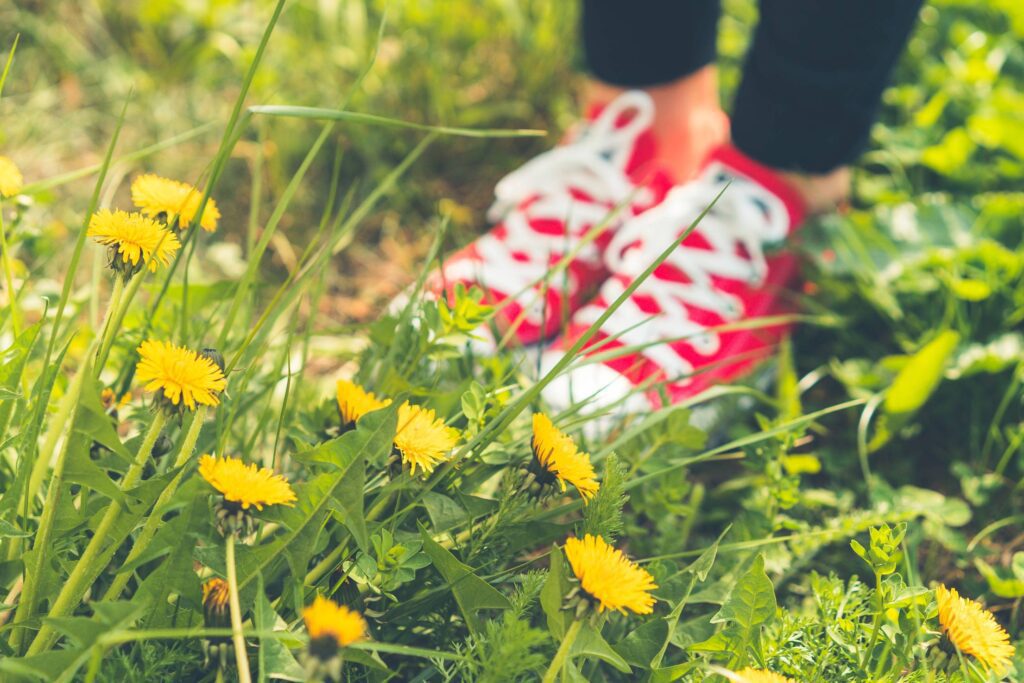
x=750 y=606
x=590 y=643
x=94 y=424
x=552 y=594
x=471 y=592
x=643 y=644
x=275 y=660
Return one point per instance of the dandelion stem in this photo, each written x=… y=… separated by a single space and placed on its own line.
x=107 y=336
x=878 y=621
x=154 y=520
x=91 y=563
x=236 y=613
x=115 y=322
x=551 y=675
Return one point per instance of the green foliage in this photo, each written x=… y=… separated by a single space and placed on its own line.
x=603 y=515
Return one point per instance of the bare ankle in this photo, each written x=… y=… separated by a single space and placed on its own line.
x=688 y=123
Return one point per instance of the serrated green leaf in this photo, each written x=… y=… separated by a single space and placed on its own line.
x=552 y=594
x=471 y=592
x=274 y=659
x=750 y=606
x=590 y=643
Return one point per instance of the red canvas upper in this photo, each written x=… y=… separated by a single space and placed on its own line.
x=545 y=209
x=686 y=366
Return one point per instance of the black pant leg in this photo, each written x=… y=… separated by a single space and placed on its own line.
x=813 y=79
x=640 y=43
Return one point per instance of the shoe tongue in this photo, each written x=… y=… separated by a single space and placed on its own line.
x=728 y=163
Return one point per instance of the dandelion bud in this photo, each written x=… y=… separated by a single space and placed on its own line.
x=163 y=445
x=215 y=356
x=215 y=615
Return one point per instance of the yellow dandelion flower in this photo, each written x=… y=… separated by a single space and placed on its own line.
x=749 y=675
x=608 y=576
x=423 y=439
x=974 y=630
x=327 y=620
x=184 y=376
x=155 y=196
x=10 y=178
x=558 y=455
x=354 y=401
x=246 y=485
x=135 y=239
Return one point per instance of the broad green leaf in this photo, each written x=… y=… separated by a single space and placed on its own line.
x=643 y=644
x=274 y=659
x=80 y=468
x=590 y=643
x=750 y=606
x=177 y=540
x=552 y=594
x=921 y=375
x=471 y=592
x=94 y=424
x=1010 y=588
x=444 y=512
x=672 y=673
x=347 y=501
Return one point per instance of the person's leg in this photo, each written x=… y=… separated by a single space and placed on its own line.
x=811 y=87
x=666 y=48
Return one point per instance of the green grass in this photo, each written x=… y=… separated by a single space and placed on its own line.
x=346 y=158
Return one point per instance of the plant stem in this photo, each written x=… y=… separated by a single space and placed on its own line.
x=107 y=336
x=236 y=613
x=878 y=621
x=325 y=565
x=551 y=675
x=88 y=567
x=154 y=520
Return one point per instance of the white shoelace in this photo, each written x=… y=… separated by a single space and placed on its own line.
x=746 y=215
x=594 y=163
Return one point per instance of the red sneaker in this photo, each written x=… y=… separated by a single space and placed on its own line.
x=728 y=269
x=547 y=207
